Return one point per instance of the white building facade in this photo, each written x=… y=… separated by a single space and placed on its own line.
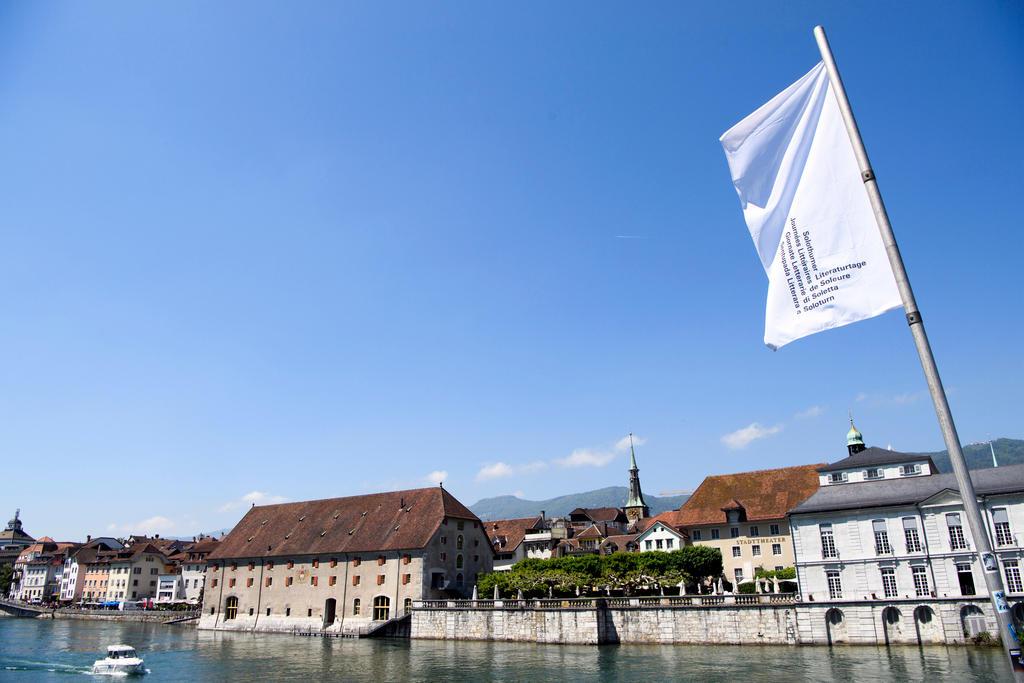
x=660 y=536
x=904 y=536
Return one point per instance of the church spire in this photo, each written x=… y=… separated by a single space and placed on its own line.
x=635 y=507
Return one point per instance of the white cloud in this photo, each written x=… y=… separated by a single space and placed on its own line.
x=622 y=445
x=436 y=477
x=584 y=457
x=494 y=471
x=741 y=438
x=813 y=411
x=261 y=498
x=909 y=398
x=252 y=498
x=904 y=399
x=519 y=494
x=500 y=469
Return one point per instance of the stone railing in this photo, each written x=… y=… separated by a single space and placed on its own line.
x=654 y=602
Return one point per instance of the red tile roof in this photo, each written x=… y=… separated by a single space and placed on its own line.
x=601 y=530
x=764 y=494
x=379 y=521
x=598 y=514
x=508 y=532
x=620 y=544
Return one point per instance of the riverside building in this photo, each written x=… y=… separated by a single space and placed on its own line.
x=341 y=564
x=744 y=516
x=886 y=526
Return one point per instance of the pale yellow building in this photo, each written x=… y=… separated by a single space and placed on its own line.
x=744 y=516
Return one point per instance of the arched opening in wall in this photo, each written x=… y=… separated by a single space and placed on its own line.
x=407 y=605
x=330 y=607
x=835 y=626
x=891 y=618
x=927 y=626
x=230 y=608
x=381 y=608
x=973 y=620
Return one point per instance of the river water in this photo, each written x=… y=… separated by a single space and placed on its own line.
x=60 y=650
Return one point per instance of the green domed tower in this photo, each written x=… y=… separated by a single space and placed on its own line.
x=854 y=439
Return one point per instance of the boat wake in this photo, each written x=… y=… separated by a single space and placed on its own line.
x=49 y=667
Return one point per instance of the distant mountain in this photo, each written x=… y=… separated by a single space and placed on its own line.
x=979 y=457
x=1008 y=452
x=510 y=507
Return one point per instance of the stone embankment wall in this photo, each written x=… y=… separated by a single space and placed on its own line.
x=754 y=620
x=115 y=615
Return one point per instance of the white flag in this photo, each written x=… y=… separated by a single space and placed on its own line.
x=806 y=207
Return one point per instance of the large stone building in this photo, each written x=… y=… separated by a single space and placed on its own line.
x=744 y=516
x=897 y=531
x=342 y=563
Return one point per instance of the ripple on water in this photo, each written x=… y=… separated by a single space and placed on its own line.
x=38 y=650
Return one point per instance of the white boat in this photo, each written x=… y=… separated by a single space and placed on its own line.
x=121 y=660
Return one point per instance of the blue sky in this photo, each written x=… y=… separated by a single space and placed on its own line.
x=258 y=251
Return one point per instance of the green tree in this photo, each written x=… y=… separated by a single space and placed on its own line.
x=6 y=574
x=699 y=561
x=486 y=583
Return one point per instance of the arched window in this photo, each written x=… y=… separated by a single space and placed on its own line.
x=458 y=561
x=381 y=608
x=230 y=608
x=458 y=580
x=355 y=607
x=458 y=542
x=407 y=605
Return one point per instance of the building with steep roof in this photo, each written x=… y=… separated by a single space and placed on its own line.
x=134 y=571
x=744 y=516
x=38 y=570
x=192 y=560
x=581 y=518
x=72 y=583
x=343 y=563
x=13 y=540
x=514 y=540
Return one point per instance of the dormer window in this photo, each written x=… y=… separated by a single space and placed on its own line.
x=873 y=473
x=837 y=478
x=909 y=470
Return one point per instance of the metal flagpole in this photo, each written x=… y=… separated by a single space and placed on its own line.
x=990 y=568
